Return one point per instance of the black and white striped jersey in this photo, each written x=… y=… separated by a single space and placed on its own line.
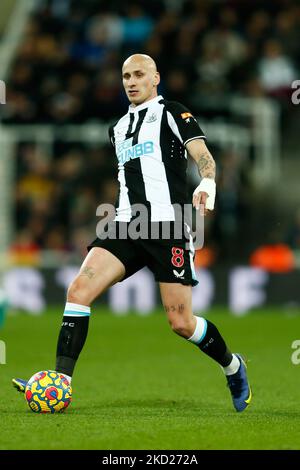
x=149 y=143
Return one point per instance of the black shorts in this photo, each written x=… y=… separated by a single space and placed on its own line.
x=170 y=260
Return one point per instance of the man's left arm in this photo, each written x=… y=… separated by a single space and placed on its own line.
x=205 y=192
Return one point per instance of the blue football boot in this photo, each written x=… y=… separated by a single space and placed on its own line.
x=239 y=386
x=19 y=384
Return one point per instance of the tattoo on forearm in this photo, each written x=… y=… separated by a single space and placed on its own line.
x=87 y=272
x=206 y=166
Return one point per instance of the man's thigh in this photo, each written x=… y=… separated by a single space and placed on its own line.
x=127 y=251
x=101 y=264
x=100 y=270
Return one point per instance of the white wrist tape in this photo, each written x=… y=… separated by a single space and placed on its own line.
x=208 y=186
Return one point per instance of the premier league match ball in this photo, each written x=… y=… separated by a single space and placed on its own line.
x=48 y=392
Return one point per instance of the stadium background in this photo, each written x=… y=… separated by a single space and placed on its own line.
x=233 y=63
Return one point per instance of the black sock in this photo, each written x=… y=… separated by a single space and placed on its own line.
x=71 y=339
x=214 y=345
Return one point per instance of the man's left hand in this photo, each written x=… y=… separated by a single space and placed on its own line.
x=204 y=196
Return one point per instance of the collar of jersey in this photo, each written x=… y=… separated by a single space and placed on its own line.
x=135 y=109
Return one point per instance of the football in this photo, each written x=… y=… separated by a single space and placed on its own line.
x=48 y=392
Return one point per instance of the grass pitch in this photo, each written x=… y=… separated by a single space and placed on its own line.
x=139 y=386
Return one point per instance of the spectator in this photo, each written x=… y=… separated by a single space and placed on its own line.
x=66 y=71
x=276 y=70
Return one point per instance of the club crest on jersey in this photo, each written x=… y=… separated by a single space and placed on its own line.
x=151 y=118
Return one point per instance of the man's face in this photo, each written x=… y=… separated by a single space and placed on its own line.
x=140 y=81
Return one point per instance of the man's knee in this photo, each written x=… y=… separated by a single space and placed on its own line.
x=182 y=325
x=79 y=292
x=178 y=325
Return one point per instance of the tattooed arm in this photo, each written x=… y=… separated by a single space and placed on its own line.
x=87 y=271
x=199 y=152
x=206 y=191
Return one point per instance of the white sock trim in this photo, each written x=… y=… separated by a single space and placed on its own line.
x=233 y=367
x=200 y=330
x=77 y=307
x=76 y=310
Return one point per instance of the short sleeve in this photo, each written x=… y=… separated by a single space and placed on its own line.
x=183 y=124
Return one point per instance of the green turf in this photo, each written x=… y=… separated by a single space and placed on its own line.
x=139 y=386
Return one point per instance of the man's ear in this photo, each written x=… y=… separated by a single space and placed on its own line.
x=156 y=79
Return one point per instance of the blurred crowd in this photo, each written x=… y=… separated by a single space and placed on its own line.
x=68 y=70
x=57 y=198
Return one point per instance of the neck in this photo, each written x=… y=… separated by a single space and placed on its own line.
x=145 y=101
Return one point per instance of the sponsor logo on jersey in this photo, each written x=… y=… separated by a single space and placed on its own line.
x=126 y=151
x=179 y=275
